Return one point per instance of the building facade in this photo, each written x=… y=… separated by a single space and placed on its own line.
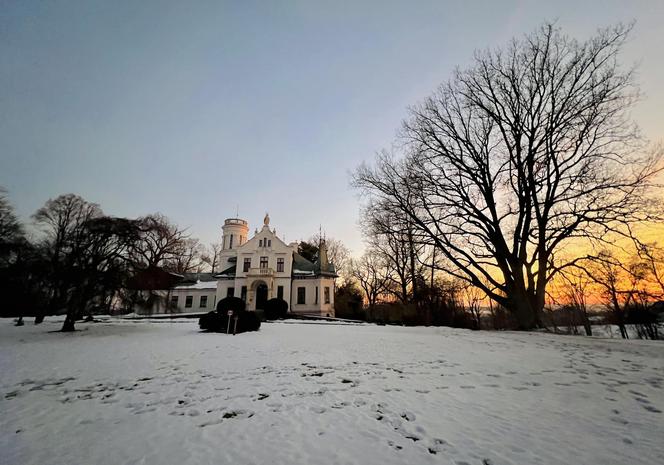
x=255 y=269
x=264 y=267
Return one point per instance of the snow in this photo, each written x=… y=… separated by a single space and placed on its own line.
x=303 y=272
x=142 y=392
x=604 y=330
x=198 y=285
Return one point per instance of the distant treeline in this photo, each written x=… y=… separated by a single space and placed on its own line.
x=80 y=261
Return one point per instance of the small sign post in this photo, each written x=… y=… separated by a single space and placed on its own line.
x=235 y=325
x=228 y=327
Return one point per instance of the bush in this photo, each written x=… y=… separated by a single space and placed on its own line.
x=217 y=321
x=211 y=322
x=275 y=309
x=231 y=303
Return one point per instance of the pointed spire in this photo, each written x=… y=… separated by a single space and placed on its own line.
x=322 y=255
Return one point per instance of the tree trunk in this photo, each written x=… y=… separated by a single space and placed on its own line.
x=525 y=314
x=68 y=325
x=586 y=324
x=623 y=330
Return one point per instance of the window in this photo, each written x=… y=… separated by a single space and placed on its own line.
x=260 y=243
x=230 y=292
x=269 y=242
x=247 y=264
x=301 y=295
x=189 y=301
x=231 y=245
x=280 y=264
x=243 y=293
x=316 y=300
x=280 y=292
x=174 y=301
x=203 y=303
x=263 y=262
x=327 y=295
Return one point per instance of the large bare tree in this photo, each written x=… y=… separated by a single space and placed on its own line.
x=529 y=150
x=87 y=255
x=63 y=221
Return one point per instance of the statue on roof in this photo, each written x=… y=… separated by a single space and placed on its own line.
x=266 y=220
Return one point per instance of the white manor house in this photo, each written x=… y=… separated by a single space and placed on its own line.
x=256 y=269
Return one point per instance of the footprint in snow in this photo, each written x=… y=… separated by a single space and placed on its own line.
x=339 y=405
x=408 y=416
x=394 y=446
x=144 y=410
x=652 y=409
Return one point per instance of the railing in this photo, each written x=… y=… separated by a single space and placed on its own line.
x=260 y=272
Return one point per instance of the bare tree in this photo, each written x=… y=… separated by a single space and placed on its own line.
x=11 y=232
x=186 y=257
x=211 y=256
x=63 y=221
x=87 y=255
x=371 y=274
x=392 y=235
x=575 y=290
x=473 y=298
x=652 y=257
x=15 y=282
x=620 y=285
x=528 y=150
x=160 y=243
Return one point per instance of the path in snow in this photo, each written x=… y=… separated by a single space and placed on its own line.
x=141 y=392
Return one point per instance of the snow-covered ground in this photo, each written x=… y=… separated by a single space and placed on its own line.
x=141 y=392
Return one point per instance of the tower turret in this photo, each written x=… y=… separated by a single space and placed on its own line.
x=234 y=233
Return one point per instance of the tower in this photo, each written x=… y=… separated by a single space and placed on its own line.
x=234 y=233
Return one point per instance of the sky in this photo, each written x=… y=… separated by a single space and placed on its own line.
x=200 y=109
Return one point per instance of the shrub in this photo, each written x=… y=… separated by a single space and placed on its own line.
x=217 y=321
x=211 y=322
x=275 y=309
x=230 y=303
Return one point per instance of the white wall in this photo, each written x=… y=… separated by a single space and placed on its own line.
x=311 y=306
x=162 y=307
x=196 y=299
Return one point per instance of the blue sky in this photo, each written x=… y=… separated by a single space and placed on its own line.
x=195 y=108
